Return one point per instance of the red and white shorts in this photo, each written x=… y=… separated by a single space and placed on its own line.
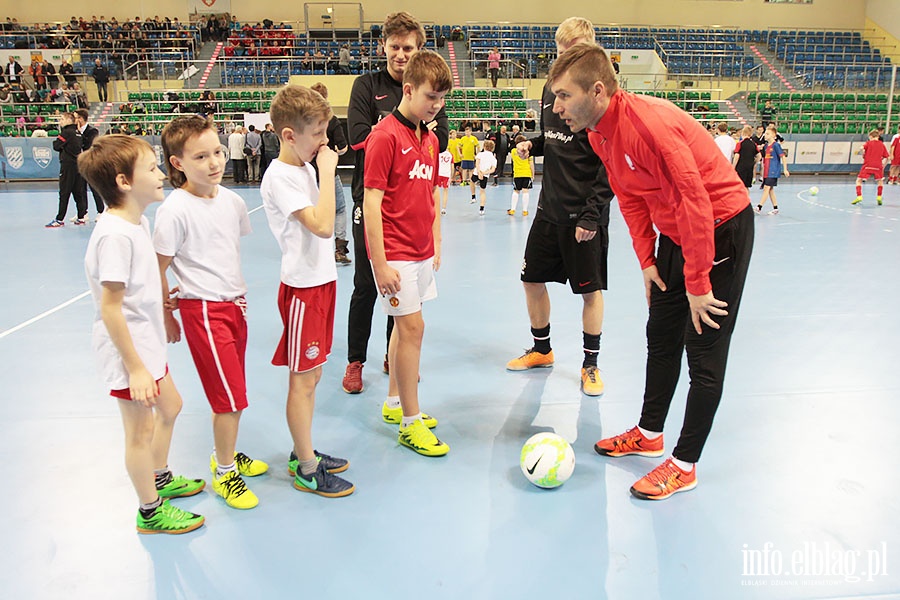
x=443 y=182
x=308 y=317
x=216 y=333
x=866 y=172
x=125 y=394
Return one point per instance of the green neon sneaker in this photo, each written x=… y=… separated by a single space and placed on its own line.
x=180 y=486
x=235 y=492
x=395 y=415
x=323 y=483
x=246 y=466
x=332 y=464
x=419 y=438
x=168 y=519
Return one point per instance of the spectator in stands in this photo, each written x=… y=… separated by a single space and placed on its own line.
x=6 y=96
x=724 y=141
x=78 y=96
x=101 y=77
x=530 y=120
x=494 y=65
x=767 y=114
x=207 y=103
x=13 y=72
x=50 y=73
x=36 y=70
x=253 y=143
x=236 y=153
x=344 y=60
x=271 y=148
x=67 y=71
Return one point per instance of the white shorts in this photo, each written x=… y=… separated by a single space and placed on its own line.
x=417 y=285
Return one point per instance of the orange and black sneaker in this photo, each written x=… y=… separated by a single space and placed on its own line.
x=630 y=442
x=663 y=481
x=591 y=384
x=532 y=359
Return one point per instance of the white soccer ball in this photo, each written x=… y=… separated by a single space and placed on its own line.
x=813 y=190
x=547 y=460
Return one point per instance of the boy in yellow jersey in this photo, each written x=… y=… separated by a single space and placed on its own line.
x=468 y=148
x=453 y=149
x=523 y=172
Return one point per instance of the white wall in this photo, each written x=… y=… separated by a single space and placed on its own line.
x=886 y=13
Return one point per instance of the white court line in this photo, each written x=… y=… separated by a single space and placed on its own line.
x=44 y=314
x=853 y=211
x=68 y=302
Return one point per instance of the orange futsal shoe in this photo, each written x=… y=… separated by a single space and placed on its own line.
x=630 y=442
x=530 y=360
x=663 y=481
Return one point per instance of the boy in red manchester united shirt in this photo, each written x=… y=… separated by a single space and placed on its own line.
x=403 y=235
x=694 y=277
x=875 y=157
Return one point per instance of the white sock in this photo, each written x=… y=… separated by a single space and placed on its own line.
x=524 y=200
x=650 y=435
x=393 y=401
x=513 y=201
x=407 y=421
x=684 y=466
x=221 y=470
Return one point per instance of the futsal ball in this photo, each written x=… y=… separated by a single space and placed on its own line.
x=547 y=460
x=813 y=190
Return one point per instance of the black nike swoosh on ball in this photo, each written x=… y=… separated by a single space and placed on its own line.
x=534 y=466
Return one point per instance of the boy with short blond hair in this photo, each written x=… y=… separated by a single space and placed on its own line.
x=523 y=171
x=128 y=334
x=485 y=164
x=301 y=216
x=875 y=157
x=403 y=231
x=197 y=233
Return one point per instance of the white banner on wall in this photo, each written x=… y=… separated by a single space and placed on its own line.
x=790 y=151
x=808 y=153
x=205 y=7
x=836 y=153
x=856 y=157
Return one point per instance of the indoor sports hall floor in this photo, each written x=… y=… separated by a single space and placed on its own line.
x=798 y=495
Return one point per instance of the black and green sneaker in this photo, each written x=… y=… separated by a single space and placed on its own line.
x=168 y=519
x=332 y=464
x=323 y=483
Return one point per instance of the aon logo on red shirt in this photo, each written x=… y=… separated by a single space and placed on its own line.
x=421 y=171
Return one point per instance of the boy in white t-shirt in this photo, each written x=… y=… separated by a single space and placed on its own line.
x=197 y=232
x=129 y=336
x=301 y=217
x=485 y=164
x=445 y=172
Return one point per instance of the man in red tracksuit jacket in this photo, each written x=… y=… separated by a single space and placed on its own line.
x=694 y=278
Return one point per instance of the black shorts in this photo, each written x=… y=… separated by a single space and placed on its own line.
x=770 y=181
x=522 y=183
x=552 y=254
x=482 y=181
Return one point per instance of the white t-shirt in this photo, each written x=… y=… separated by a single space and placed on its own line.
x=122 y=252
x=306 y=259
x=727 y=145
x=204 y=237
x=445 y=164
x=485 y=161
x=236 y=146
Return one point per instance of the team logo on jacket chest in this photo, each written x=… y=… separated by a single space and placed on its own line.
x=421 y=170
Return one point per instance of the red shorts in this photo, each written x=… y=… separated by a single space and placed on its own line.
x=308 y=317
x=443 y=182
x=126 y=393
x=216 y=333
x=866 y=172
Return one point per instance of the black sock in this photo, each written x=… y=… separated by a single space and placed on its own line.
x=541 y=339
x=591 y=349
x=774 y=207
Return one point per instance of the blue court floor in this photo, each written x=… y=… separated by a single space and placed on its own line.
x=798 y=495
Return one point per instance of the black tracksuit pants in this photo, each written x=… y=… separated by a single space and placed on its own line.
x=70 y=184
x=670 y=332
x=362 y=302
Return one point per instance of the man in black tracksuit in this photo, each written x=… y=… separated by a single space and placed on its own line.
x=569 y=237
x=88 y=134
x=501 y=151
x=374 y=96
x=68 y=144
